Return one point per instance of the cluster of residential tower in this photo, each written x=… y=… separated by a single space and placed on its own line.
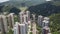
x=24 y=25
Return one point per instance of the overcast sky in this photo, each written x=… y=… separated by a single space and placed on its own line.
x=3 y=1
x=48 y=0
x=8 y=0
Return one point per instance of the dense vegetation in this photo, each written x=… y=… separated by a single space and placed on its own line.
x=55 y=23
x=10 y=32
x=45 y=9
x=9 y=9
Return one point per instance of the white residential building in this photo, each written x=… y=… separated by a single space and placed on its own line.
x=45 y=23
x=46 y=18
x=40 y=19
x=11 y=20
x=20 y=28
x=3 y=24
x=21 y=17
x=46 y=30
x=28 y=15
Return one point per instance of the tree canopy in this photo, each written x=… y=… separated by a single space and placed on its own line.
x=55 y=23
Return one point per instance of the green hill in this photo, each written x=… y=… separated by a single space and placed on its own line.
x=55 y=23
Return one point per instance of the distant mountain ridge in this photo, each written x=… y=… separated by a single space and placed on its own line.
x=21 y=2
x=28 y=3
x=45 y=9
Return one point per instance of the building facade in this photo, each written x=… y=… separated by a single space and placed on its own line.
x=3 y=24
x=11 y=20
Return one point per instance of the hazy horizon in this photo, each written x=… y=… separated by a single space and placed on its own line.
x=3 y=1
x=24 y=0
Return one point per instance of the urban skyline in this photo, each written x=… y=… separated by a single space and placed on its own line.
x=25 y=23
